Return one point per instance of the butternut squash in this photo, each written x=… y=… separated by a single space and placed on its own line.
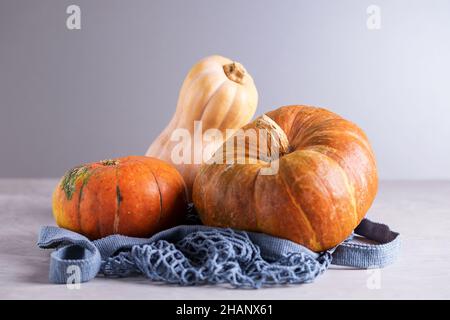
x=221 y=95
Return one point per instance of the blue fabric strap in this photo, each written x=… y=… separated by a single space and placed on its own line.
x=196 y=254
x=73 y=249
x=379 y=247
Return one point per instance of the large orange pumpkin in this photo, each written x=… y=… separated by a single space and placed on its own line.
x=134 y=196
x=325 y=182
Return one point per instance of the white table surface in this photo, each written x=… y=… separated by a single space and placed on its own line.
x=420 y=211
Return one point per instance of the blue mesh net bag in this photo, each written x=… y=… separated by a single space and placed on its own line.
x=193 y=254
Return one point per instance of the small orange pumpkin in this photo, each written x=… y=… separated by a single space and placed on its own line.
x=134 y=196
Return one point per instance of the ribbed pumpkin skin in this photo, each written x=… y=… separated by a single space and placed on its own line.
x=323 y=188
x=210 y=96
x=134 y=196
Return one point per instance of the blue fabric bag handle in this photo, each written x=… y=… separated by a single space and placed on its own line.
x=384 y=251
x=197 y=254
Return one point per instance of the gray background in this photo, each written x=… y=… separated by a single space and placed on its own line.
x=107 y=90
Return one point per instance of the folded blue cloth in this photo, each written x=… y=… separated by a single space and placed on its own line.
x=197 y=254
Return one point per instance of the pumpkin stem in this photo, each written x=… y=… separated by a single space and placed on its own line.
x=235 y=72
x=278 y=139
x=109 y=162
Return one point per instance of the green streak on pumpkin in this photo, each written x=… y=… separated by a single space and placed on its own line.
x=109 y=162
x=70 y=179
